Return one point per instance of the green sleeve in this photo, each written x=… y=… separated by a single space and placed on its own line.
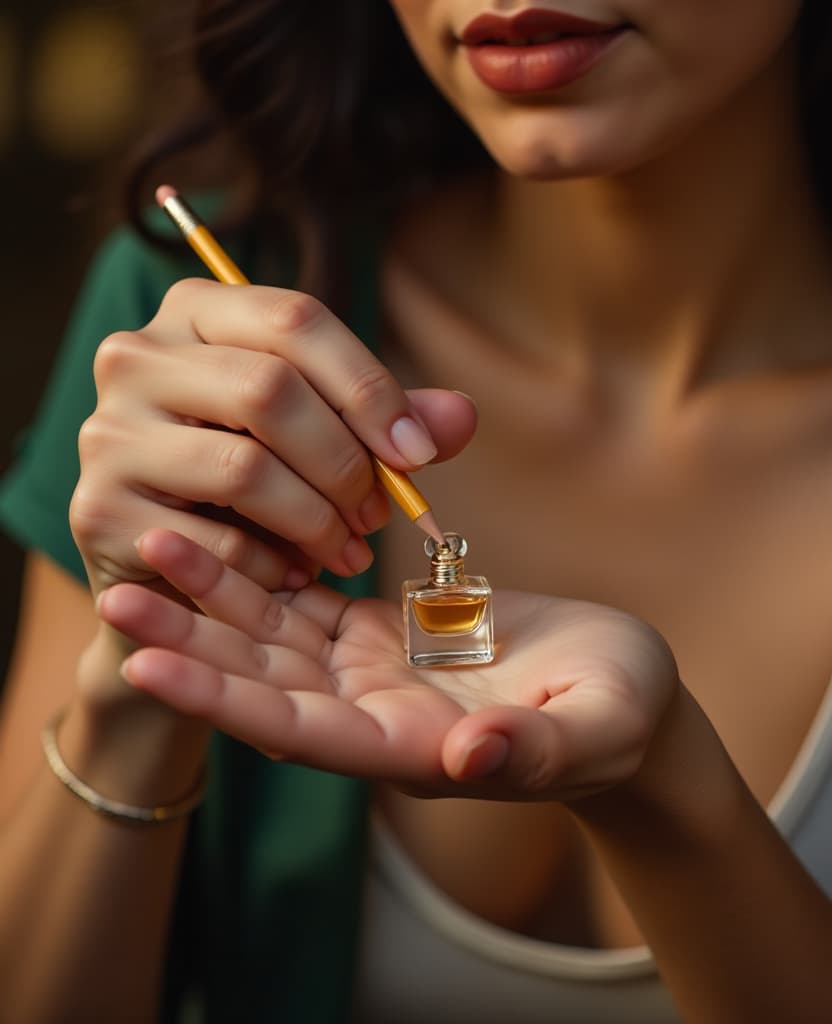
x=123 y=290
x=272 y=880
x=127 y=281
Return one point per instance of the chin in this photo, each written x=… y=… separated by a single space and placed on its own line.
x=546 y=162
x=544 y=165
x=555 y=151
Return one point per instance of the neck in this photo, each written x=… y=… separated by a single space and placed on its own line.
x=712 y=259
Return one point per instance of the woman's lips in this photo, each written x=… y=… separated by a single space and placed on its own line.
x=536 y=50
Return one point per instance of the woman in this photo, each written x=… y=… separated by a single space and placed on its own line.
x=632 y=278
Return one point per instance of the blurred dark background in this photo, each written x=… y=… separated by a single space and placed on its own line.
x=74 y=100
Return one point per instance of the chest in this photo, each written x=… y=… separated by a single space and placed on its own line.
x=726 y=553
x=711 y=523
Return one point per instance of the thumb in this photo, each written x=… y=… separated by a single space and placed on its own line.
x=576 y=744
x=450 y=416
x=516 y=747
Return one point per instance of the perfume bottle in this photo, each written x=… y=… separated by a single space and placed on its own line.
x=448 y=618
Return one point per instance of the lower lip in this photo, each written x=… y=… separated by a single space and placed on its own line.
x=539 y=67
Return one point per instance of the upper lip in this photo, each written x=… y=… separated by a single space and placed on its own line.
x=526 y=25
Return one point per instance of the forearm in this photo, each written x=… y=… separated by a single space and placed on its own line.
x=738 y=928
x=85 y=901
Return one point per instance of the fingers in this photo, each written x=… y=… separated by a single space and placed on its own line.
x=277 y=723
x=262 y=395
x=304 y=621
x=307 y=725
x=577 y=743
x=106 y=526
x=222 y=668
x=302 y=399
x=151 y=620
x=299 y=329
x=450 y=416
x=222 y=468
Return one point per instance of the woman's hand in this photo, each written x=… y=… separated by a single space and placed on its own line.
x=568 y=707
x=286 y=482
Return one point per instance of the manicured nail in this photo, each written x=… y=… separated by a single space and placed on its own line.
x=357 y=554
x=484 y=756
x=373 y=511
x=412 y=441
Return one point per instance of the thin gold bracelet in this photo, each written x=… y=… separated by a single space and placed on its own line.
x=102 y=804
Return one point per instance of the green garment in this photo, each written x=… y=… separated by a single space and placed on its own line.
x=267 y=918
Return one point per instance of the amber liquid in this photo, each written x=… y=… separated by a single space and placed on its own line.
x=445 y=614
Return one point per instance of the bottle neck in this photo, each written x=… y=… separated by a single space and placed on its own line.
x=447 y=567
x=446 y=571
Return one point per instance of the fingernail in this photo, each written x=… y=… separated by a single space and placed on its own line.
x=412 y=441
x=373 y=511
x=484 y=756
x=357 y=554
x=296 y=579
x=124 y=671
x=465 y=394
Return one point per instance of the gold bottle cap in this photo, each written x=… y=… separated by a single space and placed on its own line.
x=446 y=560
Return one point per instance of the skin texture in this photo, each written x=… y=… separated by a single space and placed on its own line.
x=649 y=92
x=235 y=359
x=575 y=683
x=639 y=300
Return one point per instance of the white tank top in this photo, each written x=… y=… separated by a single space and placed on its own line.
x=426 y=960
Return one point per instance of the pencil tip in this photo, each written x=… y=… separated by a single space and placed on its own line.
x=427 y=522
x=165 y=192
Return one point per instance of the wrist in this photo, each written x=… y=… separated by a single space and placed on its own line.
x=133 y=755
x=106 y=700
x=686 y=785
x=123 y=743
x=106 y=806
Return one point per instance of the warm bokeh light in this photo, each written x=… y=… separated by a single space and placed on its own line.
x=8 y=80
x=85 y=84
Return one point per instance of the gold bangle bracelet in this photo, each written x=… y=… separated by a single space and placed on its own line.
x=102 y=804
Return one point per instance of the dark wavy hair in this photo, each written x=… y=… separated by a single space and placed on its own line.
x=328 y=110
x=329 y=114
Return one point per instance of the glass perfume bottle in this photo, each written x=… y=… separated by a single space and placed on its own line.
x=448 y=618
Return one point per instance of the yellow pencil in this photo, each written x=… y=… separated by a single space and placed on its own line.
x=397 y=484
